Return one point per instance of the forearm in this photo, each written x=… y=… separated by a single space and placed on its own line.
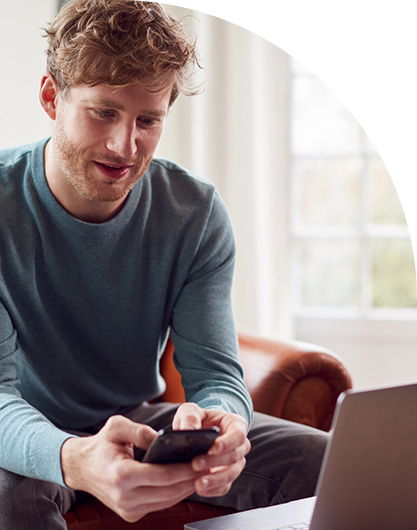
x=212 y=378
x=30 y=444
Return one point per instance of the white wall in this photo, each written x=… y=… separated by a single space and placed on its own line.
x=377 y=351
x=22 y=63
x=235 y=134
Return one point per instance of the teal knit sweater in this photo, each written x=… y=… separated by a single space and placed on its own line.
x=86 y=309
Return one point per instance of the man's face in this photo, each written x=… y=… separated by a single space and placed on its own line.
x=103 y=142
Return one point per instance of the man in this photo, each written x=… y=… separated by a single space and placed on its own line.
x=104 y=252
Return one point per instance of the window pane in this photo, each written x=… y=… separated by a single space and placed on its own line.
x=350 y=232
x=385 y=206
x=322 y=125
x=329 y=192
x=329 y=273
x=394 y=279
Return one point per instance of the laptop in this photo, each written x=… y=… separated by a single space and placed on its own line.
x=368 y=480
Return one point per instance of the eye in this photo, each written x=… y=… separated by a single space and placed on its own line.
x=145 y=121
x=105 y=114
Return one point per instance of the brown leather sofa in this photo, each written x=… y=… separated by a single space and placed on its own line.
x=293 y=380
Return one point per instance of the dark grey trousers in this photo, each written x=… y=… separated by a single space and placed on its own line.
x=283 y=465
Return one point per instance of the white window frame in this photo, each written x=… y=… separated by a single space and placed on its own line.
x=377 y=344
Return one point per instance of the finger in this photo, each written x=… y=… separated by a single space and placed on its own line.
x=218 y=491
x=142 y=500
x=158 y=475
x=188 y=416
x=163 y=494
x=121 y=430
x=233 y=435
x=220 y=481
x=204 y=462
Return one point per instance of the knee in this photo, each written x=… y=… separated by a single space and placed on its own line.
x=310 y=444
x=290 y=455
x=22 y=499
x=304 y=461
x=13 y=491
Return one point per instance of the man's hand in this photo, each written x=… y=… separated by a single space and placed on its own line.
x=104 y=466
x=226 y=459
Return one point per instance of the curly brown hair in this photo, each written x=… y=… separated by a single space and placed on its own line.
x=118 y=43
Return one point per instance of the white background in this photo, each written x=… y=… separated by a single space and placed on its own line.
x=365 y=51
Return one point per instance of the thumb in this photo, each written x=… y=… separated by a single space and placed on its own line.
x=188 y=416
x=121 y=430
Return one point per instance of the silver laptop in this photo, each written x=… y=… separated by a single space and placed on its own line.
x=368 y=479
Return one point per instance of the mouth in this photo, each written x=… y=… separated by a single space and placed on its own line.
x=113 y=171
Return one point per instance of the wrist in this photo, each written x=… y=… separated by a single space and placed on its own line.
x=70 y=462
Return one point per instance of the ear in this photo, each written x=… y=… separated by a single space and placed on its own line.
x=48 y=95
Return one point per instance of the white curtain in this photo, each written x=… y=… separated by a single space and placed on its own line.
x=236 y=134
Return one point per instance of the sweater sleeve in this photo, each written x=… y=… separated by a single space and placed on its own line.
x=30 y=445
x=202 y=325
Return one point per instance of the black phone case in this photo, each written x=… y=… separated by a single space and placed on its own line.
x=180 y=446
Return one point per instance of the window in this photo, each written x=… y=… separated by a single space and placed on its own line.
x=352 y=255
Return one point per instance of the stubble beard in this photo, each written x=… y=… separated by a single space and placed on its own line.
x=75 y=166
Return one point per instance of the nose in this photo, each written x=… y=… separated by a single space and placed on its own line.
x=122 y=140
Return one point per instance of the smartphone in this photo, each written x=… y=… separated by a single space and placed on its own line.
x=180 y=446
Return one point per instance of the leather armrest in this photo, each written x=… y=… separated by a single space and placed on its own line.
x=293 y=380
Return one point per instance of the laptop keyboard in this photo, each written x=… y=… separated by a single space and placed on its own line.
x=298 y=526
